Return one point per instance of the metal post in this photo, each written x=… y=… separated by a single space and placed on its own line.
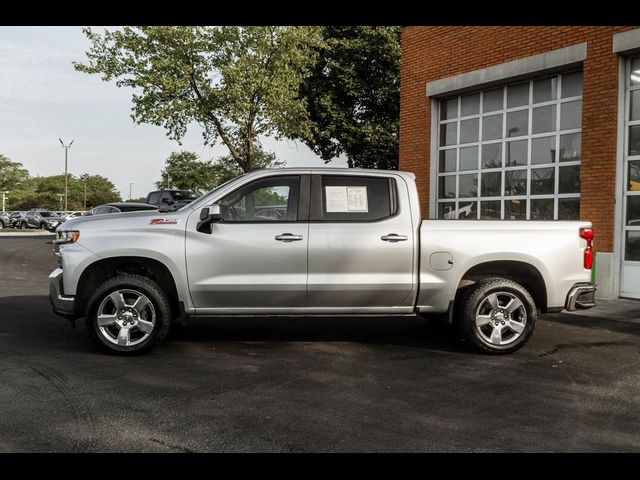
x=4 y=194
x=130 y=190
x=66 y=152
x=85 y=194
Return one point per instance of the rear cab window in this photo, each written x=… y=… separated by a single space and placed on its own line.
x=352 y=198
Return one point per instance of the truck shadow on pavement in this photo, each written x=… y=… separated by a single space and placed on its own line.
x=30 y=319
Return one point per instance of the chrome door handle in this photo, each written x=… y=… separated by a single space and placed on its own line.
x=288 y=237
x=393 y=237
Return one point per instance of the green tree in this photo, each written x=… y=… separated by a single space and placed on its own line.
x=47 y=192
x=12 y=175
x=227 y=168
x=353 y=96
x=238 y=83
x=184 y=171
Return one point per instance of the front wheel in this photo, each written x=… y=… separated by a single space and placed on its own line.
x=128 y=315
x=23 y=225
x=498 y=315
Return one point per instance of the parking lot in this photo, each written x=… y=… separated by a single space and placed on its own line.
x=310 y=384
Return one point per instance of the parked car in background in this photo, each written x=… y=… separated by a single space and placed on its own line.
x=14 y=219
x=70 y=215
x=119 y=207
x=171 y=199
x=39 y=218
x=4 y=219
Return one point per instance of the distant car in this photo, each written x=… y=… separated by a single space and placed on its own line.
x=119 y=207
x=14 y=219
x=4 y=219
x=171 y=199
x=70 y=215
x=38 y=218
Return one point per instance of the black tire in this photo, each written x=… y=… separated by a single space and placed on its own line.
x=24 y=225
x=140 y=284
x=43 y=226
x=2 y=225
x=475 y=297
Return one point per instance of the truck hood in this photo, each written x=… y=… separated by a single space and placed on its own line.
x=116 y=221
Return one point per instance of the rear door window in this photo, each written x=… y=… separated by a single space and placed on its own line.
x=154 y=198
x=349 y=198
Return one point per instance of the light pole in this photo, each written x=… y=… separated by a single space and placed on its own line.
x=4 y=196
x=130 y=190
x=60 y=198
x=66 y=153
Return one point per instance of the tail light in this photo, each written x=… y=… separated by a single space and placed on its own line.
x=587 y=234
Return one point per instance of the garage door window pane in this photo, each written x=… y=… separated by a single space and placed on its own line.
x=448 y=134
x=490 y=210
x=492 y=127
x=570 y=115
x=543 y=150
x=568 y=208
x=515 y=182
x=516 y=153
x=542 y=181
x=515 y=209
x=492 y=184
x=493 y=100
x=469 y=185
x=448 y=160
x=469 y=158
x=518 y=95
x=542 y=209
x=635 y=71
x=543 y=119
x=518 y=123
x=632 y=246
x=449 y=109
x=572 y=85
x=447 y=186
x=470 y=105
x=469 y=130
x=633 y=210
x=492 y=155
x=545 y=90
x=634 y=140
x=569 y=181
x=570 y=147
x=446 y=210
x=634 y=107
x=634 y=176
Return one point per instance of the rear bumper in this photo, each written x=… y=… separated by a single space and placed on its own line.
x=61 y=304
x=581 y=296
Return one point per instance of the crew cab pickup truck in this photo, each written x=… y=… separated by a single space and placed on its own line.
x=305 y=241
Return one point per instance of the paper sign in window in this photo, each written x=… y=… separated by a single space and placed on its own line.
x=346 y=199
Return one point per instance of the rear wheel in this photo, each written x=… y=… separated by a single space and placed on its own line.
x=498 y=315
x=23 y=225
x=128 y=315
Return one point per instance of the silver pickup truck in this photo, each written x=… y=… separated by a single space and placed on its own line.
x=304 y=241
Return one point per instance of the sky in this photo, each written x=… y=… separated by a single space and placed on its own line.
x=42 y=98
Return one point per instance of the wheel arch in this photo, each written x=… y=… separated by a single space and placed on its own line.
x=520 y=272
x=101 y=270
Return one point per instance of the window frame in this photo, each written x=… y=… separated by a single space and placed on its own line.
x=302 y=204
x=317 y=205
x=504 y=142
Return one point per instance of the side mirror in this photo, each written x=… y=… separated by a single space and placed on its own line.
x=208 y=216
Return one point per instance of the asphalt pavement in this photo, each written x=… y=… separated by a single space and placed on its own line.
x=311 y=384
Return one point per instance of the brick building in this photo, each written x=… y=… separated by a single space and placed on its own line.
x=529 y=123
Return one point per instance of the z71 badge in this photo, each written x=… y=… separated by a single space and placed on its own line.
x=164 y=221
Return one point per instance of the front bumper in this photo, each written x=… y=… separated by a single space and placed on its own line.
x=581 y=296
x=61 y=304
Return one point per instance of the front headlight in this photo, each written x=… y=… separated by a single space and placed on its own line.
x=67 y=236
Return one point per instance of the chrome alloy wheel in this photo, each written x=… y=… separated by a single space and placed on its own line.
x=501 y=318
x=126 y=317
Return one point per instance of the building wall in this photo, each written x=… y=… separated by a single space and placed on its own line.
x=432 y=53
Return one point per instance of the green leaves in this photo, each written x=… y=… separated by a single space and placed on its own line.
x=238 y=83
x=353 y=96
